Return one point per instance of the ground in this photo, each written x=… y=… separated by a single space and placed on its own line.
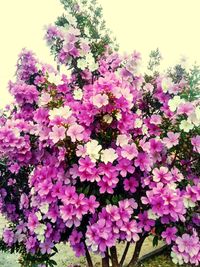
x=66 y=257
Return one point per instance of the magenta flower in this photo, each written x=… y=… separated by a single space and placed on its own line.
x=31 y=243
x=169 y=234
x=8 y=237
x=32 y=222
x=86 y=165
x=131 y=184
x=75 y=237
x=125 y=166
x=143 y=161
x=46 y=247
x=92 y=204
x=145 y=222
x=131 y=230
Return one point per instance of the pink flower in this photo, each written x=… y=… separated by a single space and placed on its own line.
x=67 y=212
x=188 y=244
x=8 y=237
x=85 y=164
x=75 y=237
x=143 y=161
x=131 y=184
x=75 y=132
x=161 y=174
x=125 y=166
x=92 y=204
x=14 y=168
x=46 y=247
x=156 y=119
x=131 y=230
x=57 y=134
x=196 y=143
x=185 y=108
x=169 y=234
x=32 y=222
x=171 y=140
x=129 y=151
x=100 y=100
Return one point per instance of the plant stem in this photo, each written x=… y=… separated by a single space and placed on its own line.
x=135 y=257
x=105 y=260
x=124 y=254
x=88 y=257
x=114 y=258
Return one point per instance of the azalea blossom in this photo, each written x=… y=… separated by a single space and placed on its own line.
x=100 y=100
x=108 y=155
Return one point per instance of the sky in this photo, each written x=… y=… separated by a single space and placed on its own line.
x=142 y=25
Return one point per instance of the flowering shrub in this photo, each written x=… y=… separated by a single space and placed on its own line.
x=101 y=156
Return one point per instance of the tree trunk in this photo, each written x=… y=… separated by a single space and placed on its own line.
x=114 y=258
x=105 y=260
x=134 y=260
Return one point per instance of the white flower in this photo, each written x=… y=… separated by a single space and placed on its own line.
x=186 y=126
x=54 y=78
x=176 y=258
x=91 y=62
x=152 y=215
x=71 y=19
x=193 y=119
x=40 y=231
x=188 y=203
x=122 y=140
x=44 y=99
x=107 y=118
x=108 y=155
x=118 y=116
x=82 y=64
x=166 y=84
x=89 y=58
x=86 y=31
x=44 y=208
x=62 y=112
x=92 y=149
x=197 y=112
x=175 y=102
x=144 y=129
x=93 y=66
x=78 y=94
x=138 y=112
x=39 y=215
x=138 y=123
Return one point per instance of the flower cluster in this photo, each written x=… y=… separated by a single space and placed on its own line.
x=103 y=155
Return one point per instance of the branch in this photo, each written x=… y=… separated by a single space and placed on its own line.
x=124 y=254
x=88 y=257
x=138 y=246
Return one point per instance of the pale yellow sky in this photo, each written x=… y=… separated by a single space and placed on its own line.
x=171 y=25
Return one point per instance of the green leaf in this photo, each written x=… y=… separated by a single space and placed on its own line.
x=155 y=241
